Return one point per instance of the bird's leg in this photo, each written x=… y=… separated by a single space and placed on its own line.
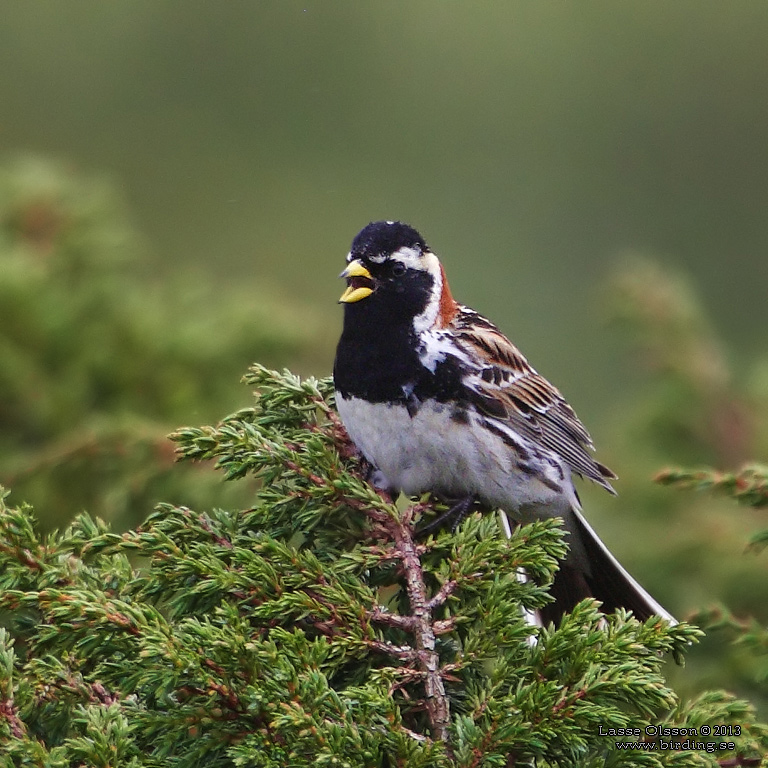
x=456 y=513
x=377 y=478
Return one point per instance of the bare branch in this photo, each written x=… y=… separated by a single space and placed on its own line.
x=442 y=594
x=437 y=704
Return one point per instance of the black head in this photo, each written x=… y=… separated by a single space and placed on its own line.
x=381 y=239
x=391 y=273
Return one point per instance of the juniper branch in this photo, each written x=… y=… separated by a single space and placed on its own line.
x=312 y=628
x=748 y=486
x=438 y=707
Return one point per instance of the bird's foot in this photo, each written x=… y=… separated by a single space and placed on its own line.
x=456 y=515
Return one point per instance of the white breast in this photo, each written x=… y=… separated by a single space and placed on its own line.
x=432 y=451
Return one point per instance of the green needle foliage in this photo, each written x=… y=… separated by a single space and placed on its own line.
x=98 y=363
x=697 y=403
x=316 y=627
x=749 y=487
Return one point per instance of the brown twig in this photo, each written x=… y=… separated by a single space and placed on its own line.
x=442 y=594
x=735 y=762
x=404 y=652
x=98 y=694
x=399 y=528
x=422 y=628
x=383 y=616
x=9 y=713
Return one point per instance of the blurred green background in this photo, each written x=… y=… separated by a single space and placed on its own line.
x=179 y=184
x=531 y=142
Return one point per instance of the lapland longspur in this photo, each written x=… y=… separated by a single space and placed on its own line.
x=437 y=399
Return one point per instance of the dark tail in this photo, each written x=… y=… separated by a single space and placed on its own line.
x=606 y=580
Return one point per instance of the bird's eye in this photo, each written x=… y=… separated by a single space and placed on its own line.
x=398 y=269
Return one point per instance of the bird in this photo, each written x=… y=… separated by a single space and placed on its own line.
x=438 y=400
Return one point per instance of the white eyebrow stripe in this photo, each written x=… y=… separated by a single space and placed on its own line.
x=413 y=258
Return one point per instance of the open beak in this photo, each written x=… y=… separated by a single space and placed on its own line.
x=359 y=282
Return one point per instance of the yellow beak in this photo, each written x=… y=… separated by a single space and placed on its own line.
x=352 y=294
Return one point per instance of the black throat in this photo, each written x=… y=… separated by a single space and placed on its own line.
x=379 y=362
x=375 y=360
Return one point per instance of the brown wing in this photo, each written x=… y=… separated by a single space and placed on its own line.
x=507 y=388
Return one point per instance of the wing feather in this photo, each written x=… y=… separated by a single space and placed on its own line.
x=506 y=387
